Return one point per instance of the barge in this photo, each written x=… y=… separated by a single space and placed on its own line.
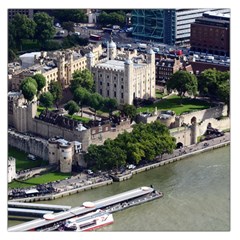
x=110 y=204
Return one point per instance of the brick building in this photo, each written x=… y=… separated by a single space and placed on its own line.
x=211 y=33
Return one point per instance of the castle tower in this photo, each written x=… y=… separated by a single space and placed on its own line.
x=69 y=67
x=128 y=78
x=112 y=50
x=66 y=157
x=11 y=169
x=61 y=69
x=152 y=69
x=90 y=60
x=53 y=153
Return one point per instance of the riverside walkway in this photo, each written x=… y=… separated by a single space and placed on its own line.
x=84 y=182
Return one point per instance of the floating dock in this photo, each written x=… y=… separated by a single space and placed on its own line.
x=112 y=204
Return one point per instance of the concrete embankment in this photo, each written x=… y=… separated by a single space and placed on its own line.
x=127 y=176
x=64 y=193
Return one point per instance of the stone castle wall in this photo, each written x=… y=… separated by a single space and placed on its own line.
x=32 y=145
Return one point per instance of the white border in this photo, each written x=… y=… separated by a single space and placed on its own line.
x=235 y=80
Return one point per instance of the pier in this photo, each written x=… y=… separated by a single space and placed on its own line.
x=112 y=204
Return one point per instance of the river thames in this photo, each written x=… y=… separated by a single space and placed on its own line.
x=196 y=196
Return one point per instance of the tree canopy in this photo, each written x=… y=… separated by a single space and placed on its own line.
x=82 y=79
x=41 y=81
x=69 y=26
x=44 y=27
x=184 y=82
x=117 y=18
x=21 y=27
x=29 y=88
x=72 y=107
x=55 y=89
x=130 y=111
x=46 y=99
x=73 y=15
x=145 y=142
x=216 y=85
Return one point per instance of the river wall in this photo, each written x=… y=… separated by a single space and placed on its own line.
x=65 y=193
x=120 y=178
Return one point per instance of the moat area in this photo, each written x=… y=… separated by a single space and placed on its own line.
x=196 y=196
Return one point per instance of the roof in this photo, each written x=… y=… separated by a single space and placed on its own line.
x=31 y=191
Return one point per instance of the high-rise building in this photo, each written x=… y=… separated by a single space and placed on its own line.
x=168 y=26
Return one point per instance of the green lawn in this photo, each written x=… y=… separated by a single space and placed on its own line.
x=78 y=118
x=40 y=109
x=22 y=162
x=45 y=178
x=174 y=103
x=159 y=94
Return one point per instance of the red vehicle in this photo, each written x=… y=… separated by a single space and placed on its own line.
x=177 y=52
x=95 y=37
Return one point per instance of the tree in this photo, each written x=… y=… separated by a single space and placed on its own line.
x=81 y=96
x=130 y=111
x=29 y=88
x=21 y=27
x=223 y=92
x=82 y=79
x=44 y=27
x=69 y=26
x=71 y=107
x=73 y=15
x=183 y=82
x=110 y=104
x=96 y=102
x=46 y=99
x=55 y=89
x=41 y=81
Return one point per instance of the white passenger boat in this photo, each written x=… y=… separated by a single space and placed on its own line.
x=89 y=222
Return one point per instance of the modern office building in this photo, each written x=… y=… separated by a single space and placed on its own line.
x=211 y=33
x=168 y=26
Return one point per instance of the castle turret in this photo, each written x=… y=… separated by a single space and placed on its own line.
x=90 y=60
x=61 y=69
x=53 y=154
x=66 y=157
x=112 y=50
x=152 y=69
x=128 y=75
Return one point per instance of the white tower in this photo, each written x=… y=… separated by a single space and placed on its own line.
x=128 y=78
x=90 y=60
x=112 y=50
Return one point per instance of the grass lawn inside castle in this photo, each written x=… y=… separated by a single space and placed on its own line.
x=174 y=103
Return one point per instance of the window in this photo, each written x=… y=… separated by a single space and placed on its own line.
x=122 y=87
x=108 y=84
x=115 y=95
x=121 y=95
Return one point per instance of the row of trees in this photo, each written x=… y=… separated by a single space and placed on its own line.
x=211 y=83
x=144 y=143
x=32 y=86
x=113 y=18
x=21 y=27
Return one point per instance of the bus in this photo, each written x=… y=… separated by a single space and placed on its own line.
x=95 y=37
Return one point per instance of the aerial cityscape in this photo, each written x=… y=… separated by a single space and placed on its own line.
x=118 y=120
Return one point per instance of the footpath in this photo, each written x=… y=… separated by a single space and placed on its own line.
x=83 y=182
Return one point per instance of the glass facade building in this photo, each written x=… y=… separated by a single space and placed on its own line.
x=168 y=26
